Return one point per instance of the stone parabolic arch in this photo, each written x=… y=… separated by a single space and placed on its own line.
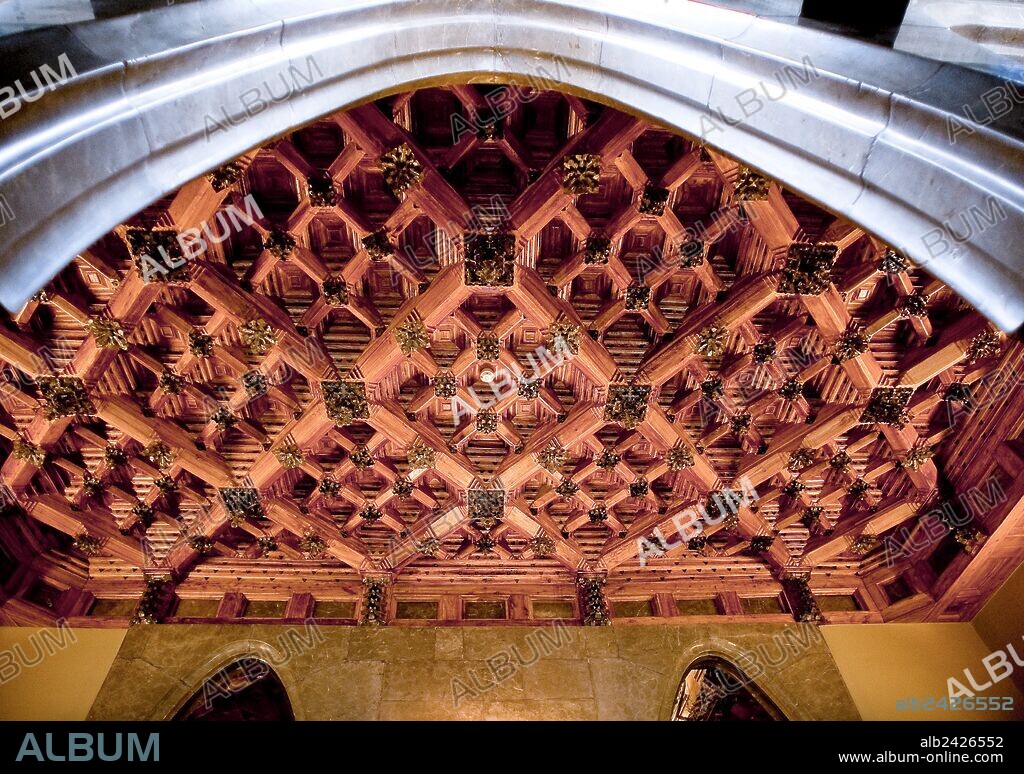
x=867 y=134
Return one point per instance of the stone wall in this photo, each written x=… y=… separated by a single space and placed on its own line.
x=359 y=673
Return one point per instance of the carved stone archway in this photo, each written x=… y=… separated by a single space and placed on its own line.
x=864 y=131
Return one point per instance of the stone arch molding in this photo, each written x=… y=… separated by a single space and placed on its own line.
x=278 y=661
x=867 y=135
x=772 y=684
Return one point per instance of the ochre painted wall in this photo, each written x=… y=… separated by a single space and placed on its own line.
x=884 y=663
x=56 y=677
x=1001 y=621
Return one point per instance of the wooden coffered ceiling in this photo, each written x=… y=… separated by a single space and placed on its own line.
x=294 y=422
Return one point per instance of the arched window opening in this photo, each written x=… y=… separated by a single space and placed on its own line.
x=247 y=689
x=717 y=690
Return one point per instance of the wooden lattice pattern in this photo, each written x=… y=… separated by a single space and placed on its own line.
x=309 y=402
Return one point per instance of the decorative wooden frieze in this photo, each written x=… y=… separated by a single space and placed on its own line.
x=852 y=343
x=858 y=488
x=811 y=516
x=159 y=453
x=804 y=606
x=627 y=404
x=401 y=169
x=581 y=173
x=563 y=336
x=267 y=545
x=486 y=421
x=592 y=602
x=321 y=191
x=360 y=457
x=312 y=546
x=334 y=291
x=552 y=457
x=166 y=485
x=917 y=457
x=421 y=456
x=200 y=343
x=490 y=260
x=887 y=406
x=429 y=546
x=542 y=545
x=241 y=503
x=528 y=388
x=765 y=350
x=914 y=305
x=740 y=422
x=345 y=401
x=378 y=246
x=171 y=383
x=114 y=455
x=639 y=488
x=156 y=254
x=794 y=488
x=64 y=396
x=371 y=513
x=679 y=458
x=893 y=263
x=800 y=460
x=491 y=130
x=637 y=298
x=653 y=200
x=567 y=488
x=412 y=335
x=485 y=544
x=279 y=243
x=608 y=460
x=374 y=607
x=985 y=344
x=29 y=452
x=290 y=456
x=486 y=507
x=487 y=347
x=864 y=544
x=143 y=514
x=598 y=514
x=712 y=388
x=87 y=544
x=598 y=251
x=958 y=392
x=791 y=389
x=402 y=488
x=329 y=487
x=808 y=269
x=691 y=254
x=200 y=544
x=712 y=341
x=750 y=185
x=152 y=602
x=225 y=176
x=223 y=419
x=107 y=332
x=258 y=336
x=840 y=461
x=445 y=384
x=92 y=486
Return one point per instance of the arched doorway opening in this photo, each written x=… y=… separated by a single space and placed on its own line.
x=246 y=689
x=716 y=690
